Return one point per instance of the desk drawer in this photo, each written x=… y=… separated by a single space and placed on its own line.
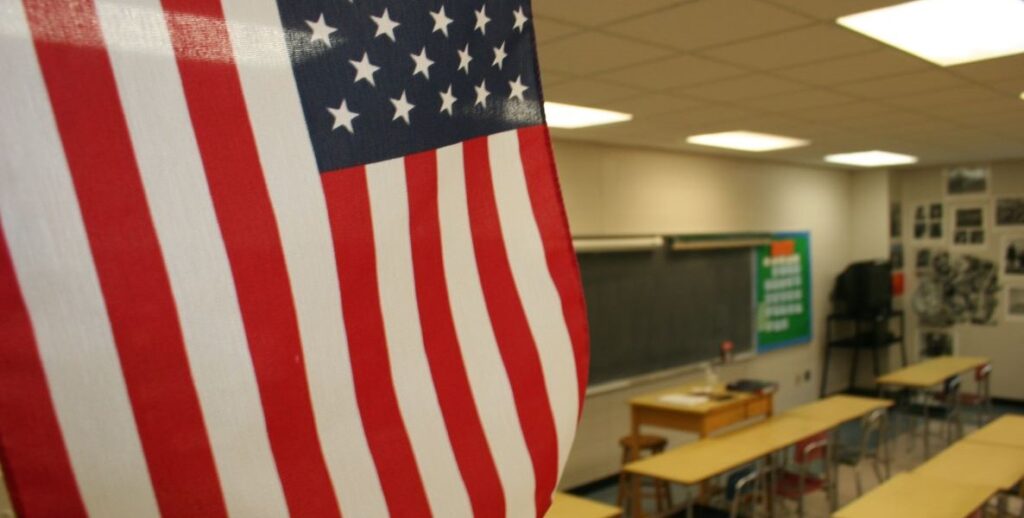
x=759 y=406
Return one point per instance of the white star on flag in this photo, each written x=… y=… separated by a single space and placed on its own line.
x=321 y=31
x=343 y=116
x=499 y=56
x=517 y=88
x=481 y=94
x=385 y=25
x=441 y=21
x=422 y=63
x=464 y=59
x=402 y=108
x=482 y=20
x=447 y=100
x=364 y=69
x=521 y=19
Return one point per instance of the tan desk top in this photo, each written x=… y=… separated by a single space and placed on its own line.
x=932 y=372
x=976 y=464
x=1008 y=430
x=568 y=506
x=911 y=496
x=698 y=461
x=839 y=409
x=654 y=399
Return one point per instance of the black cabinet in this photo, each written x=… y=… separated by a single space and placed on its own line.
x=873 y=332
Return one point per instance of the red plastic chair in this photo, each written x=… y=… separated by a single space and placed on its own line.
x=795 y=484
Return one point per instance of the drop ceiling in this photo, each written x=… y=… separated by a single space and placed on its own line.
x=772 y=66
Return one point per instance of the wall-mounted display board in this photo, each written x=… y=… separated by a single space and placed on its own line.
x=666 y=306
x=784 y=291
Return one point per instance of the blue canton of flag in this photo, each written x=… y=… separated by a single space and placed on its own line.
x=383 y=79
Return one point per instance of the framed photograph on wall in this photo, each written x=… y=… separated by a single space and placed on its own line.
x=1014 y=303
x=928 y=224
x=932 y=343
x=967 y=180
x=1012 y=256
x=969 y=226
x=1009 y=211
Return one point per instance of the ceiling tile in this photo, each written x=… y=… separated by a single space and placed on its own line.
x=671 y=72
x=596 y=12
x=992 y=69
x=550 y=77
x=842 y=112
x=744 y=87
x=708 y=22
x=646 y=104
x=586 y=92
x=832 y=9
x=796 y=100
x=856 y=68
x=548 y=29
x=946 y=97
x=1013 y=87
x=929 y=80
x=701 y=116
x=592 y=52
x=794 y=47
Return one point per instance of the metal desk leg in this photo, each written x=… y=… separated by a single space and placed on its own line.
x=927 y=429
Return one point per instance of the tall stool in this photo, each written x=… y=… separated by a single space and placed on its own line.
x=635 y=448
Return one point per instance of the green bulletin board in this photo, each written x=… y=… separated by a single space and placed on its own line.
x=784 y=291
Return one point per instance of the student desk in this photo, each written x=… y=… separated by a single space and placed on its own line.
x=1006 y=431
x=702 y=419
x=909 y=495
x=977 y=464
x=840 y=409
x=697 y=462
x=568 y=506
x=927 y=374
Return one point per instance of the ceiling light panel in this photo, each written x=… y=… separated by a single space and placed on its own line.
x=569 y=116
x=946 y=32
x=871 y=158
x=746 y=141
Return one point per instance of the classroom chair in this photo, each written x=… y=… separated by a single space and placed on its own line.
x=795 y=484
x=747 y=487
x=981 y=400
x=950 y=397
x=873 y=445
x=634 y=448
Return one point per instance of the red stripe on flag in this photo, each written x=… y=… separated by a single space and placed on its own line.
x=246 y=216
x=32 y=451
x=348 y=207
x=546 y=199
x=441 y=343
x=132 y=275
x=511 y=328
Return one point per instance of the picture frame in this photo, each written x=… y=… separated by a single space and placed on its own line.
x=1014 y=303
x=967 y=180
x=969 y=226
x=1011 y=256
x=1008 y=211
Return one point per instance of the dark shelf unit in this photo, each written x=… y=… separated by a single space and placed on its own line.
x=873 y=332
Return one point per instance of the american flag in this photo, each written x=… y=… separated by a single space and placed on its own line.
x=281 y=258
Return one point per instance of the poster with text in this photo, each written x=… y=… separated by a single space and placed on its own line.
x=784 y=291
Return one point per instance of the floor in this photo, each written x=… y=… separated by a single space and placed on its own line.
x=904 y=456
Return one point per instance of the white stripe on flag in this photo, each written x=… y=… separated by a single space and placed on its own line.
x=293 y=181
x=414 y=386
x=50 y=250
x=541 y=301
x=197 y=263
x=484 y=365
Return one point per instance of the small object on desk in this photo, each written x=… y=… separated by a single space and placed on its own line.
x=684 y=399
x=753 y=386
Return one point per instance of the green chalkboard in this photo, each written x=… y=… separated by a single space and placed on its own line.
x=784 y=291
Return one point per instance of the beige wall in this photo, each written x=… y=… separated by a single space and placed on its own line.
x=1004 y=342
x=615 y=190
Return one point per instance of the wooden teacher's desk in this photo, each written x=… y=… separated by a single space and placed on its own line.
x=674 y=408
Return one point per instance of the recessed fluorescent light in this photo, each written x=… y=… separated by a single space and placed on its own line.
x=746 y=141
x=1022 y=96
x=871 y=158
x=569 y=116
x=946 y=32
